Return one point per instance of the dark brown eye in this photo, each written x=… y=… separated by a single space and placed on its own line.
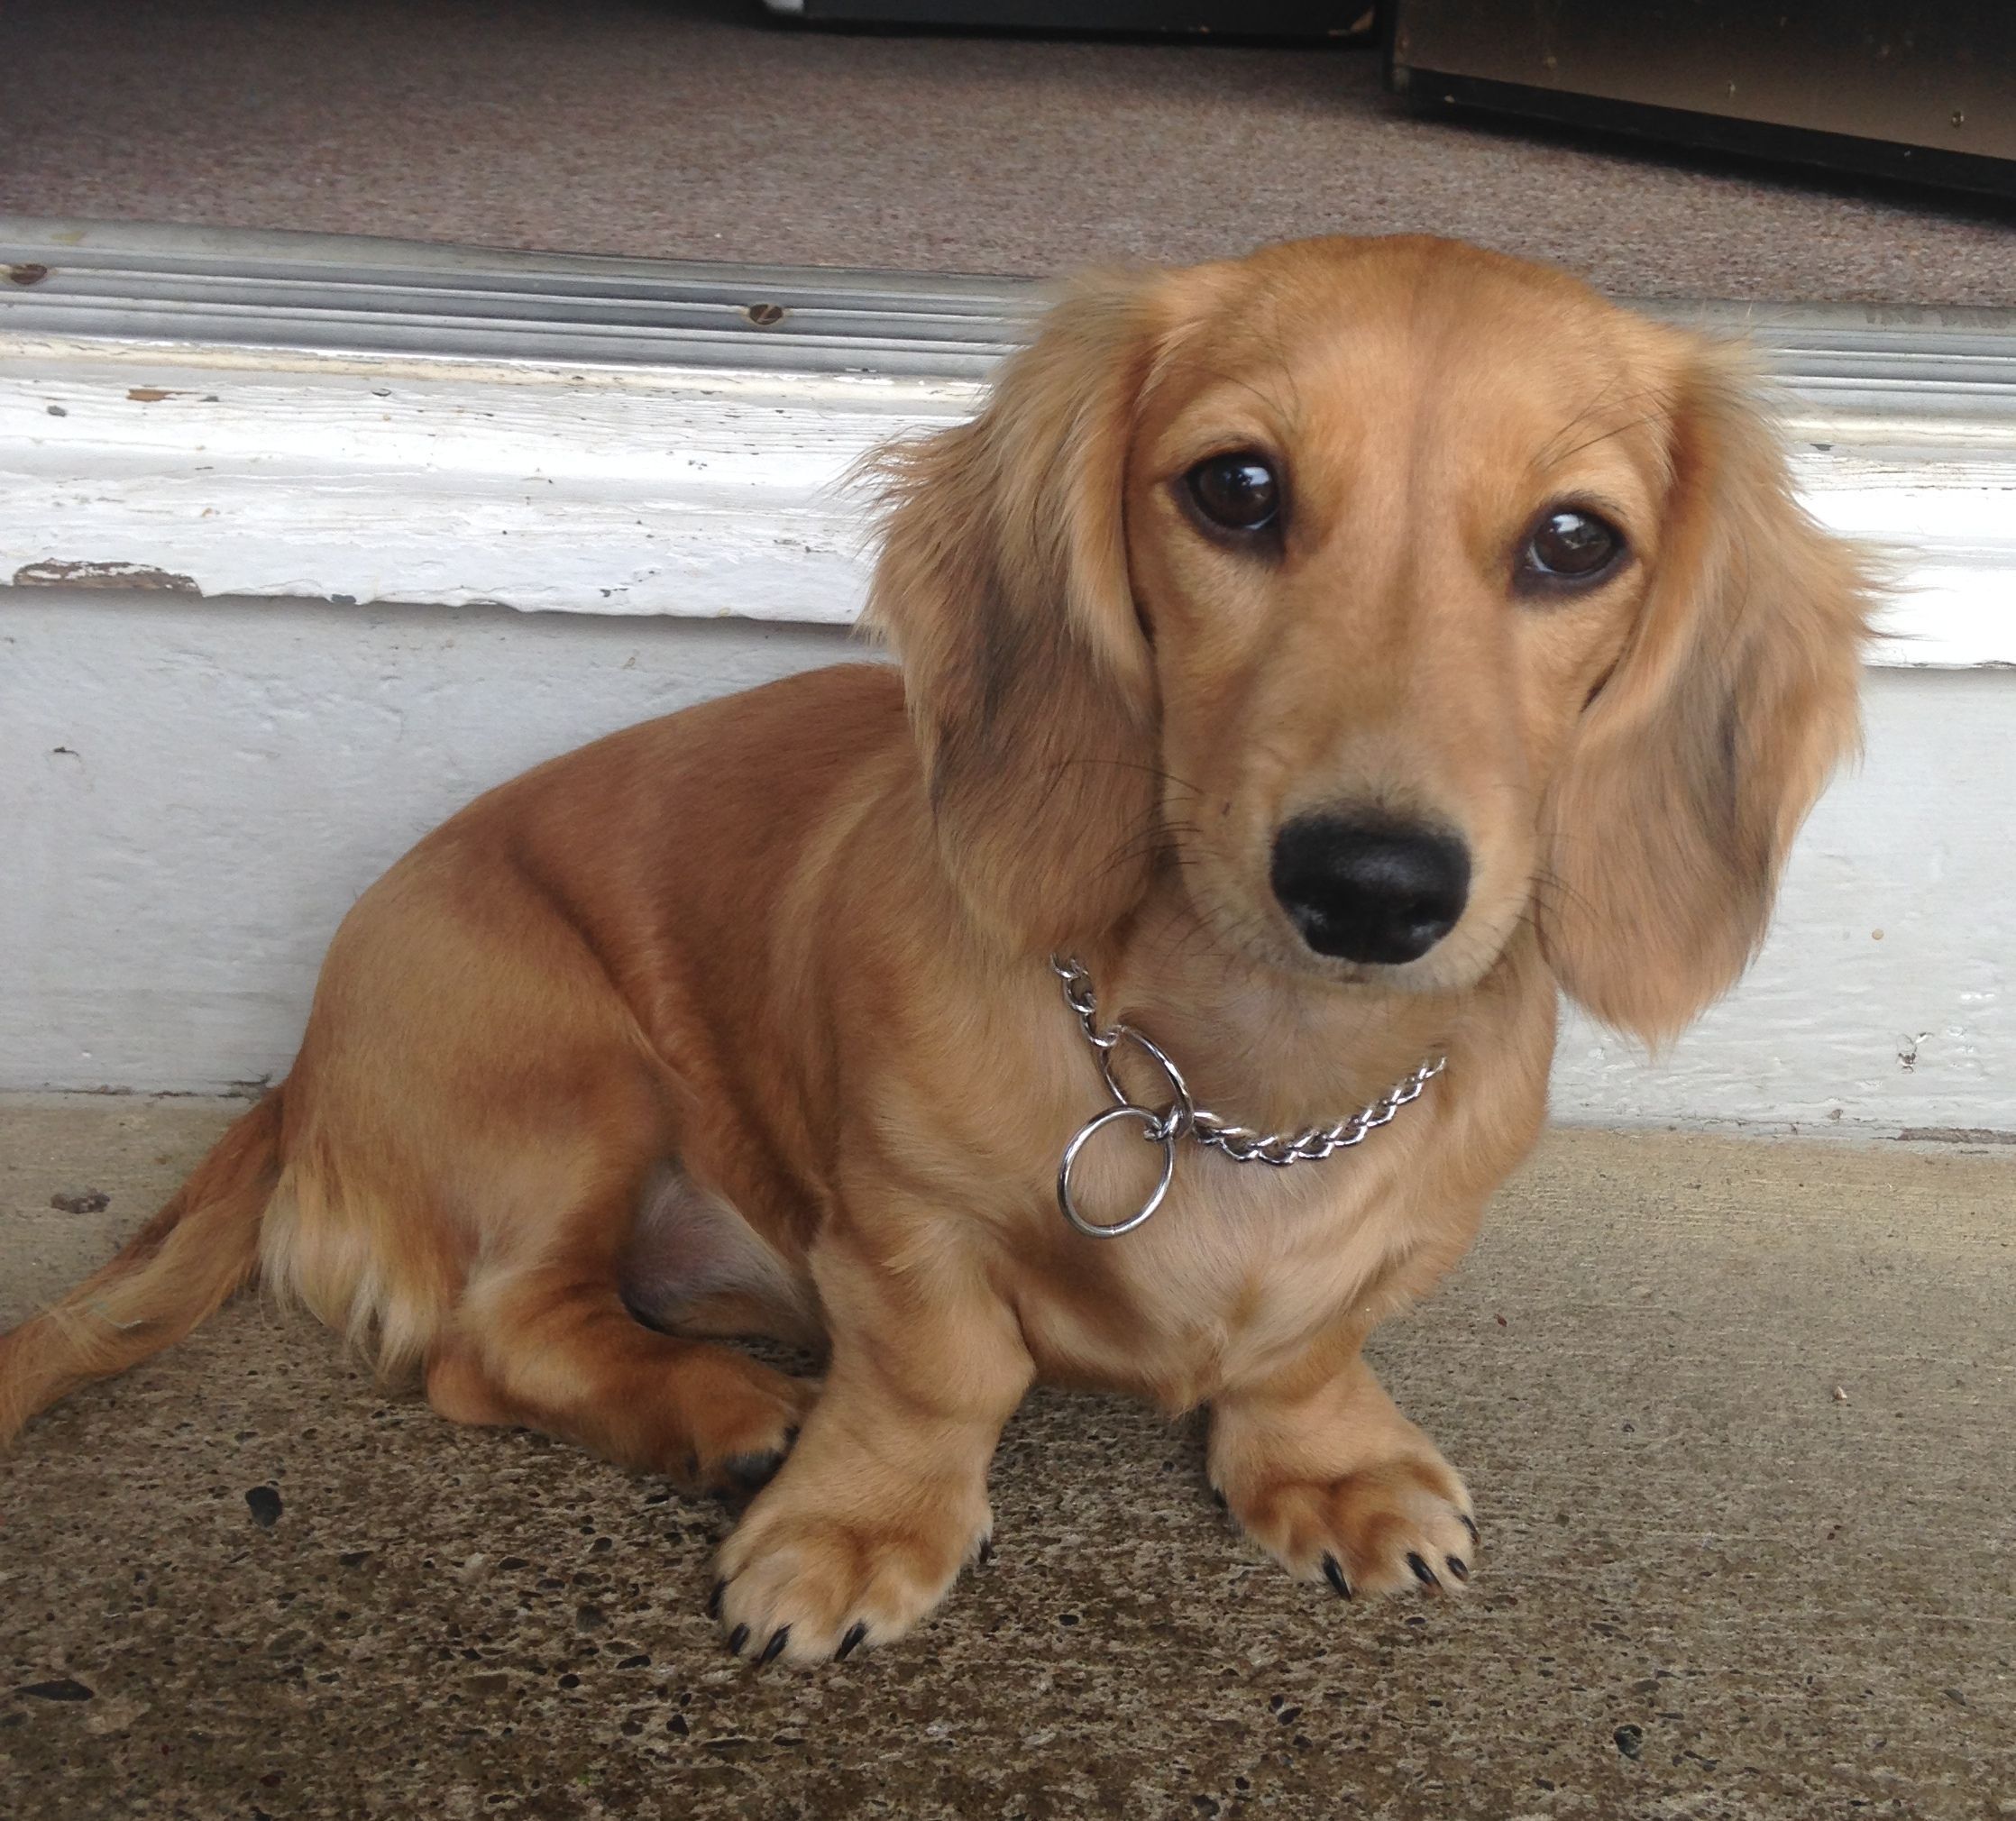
x=1569 y=546
x=1237 y=492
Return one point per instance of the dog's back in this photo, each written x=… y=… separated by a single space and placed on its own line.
x=691 y=824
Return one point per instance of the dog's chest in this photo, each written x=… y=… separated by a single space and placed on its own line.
x=1241 y=1268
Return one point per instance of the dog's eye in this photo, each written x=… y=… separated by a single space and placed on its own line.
x=1237 y=492
x=1571 y=545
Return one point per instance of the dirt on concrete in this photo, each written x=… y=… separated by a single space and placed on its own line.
x=1738 y=1417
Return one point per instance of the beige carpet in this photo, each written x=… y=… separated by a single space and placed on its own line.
x=699 y=129
x=1712 y=1584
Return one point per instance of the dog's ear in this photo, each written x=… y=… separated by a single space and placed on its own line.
x=1699 y=758
x=1003 y=586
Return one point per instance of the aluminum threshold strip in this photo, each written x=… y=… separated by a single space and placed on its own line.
x=339 y=294
x=335 y=295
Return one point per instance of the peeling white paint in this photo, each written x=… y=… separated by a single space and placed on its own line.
x=695 y=492
x=193 y=792
x=704 y=494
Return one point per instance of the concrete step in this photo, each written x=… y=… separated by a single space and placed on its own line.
x=1735 y=1415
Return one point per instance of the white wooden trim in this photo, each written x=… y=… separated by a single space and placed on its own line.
x=282 y=416
x=359 y=479
x=692 y=492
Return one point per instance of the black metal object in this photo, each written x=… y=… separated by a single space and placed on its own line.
x=1919 y=89
x=1336 y=20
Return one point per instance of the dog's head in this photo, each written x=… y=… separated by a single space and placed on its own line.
x=1382 y=595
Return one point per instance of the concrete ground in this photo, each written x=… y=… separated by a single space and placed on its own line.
x=1737 y=1414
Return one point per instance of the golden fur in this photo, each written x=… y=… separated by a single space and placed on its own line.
x=741 y=1021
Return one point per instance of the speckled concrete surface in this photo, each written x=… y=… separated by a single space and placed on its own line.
x=1710 y=1587
x=698 y=129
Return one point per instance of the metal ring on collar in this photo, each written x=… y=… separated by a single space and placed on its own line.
x=1159 y=1128
x=1181 y=1112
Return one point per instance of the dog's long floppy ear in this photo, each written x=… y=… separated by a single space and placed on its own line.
x=1699 y=758
x=1003 y=586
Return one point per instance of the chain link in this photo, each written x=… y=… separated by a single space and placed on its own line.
x=1183 y=1116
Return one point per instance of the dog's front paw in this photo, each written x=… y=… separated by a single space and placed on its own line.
x=808 y=1576
x=1385 y=1527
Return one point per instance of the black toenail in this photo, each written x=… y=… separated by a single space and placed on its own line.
x=1219 y=1499
x=1459 y=1568
x=1422 y=1571
x=854 y=1636
x=987 y=1550
x=1470 y=1524
x=737 y=1638
x=714 y=1598
x=774 y=1648
x=1334 y=1575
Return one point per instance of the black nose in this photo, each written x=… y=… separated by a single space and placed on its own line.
x=1370 y=890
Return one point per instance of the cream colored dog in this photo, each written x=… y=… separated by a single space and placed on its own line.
x=1339 y=653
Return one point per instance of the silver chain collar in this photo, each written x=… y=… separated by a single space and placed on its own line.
x=1184 y=1118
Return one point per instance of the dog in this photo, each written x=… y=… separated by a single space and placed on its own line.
x=1310 y=667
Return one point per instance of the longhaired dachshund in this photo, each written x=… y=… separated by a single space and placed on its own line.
x=1311 y=666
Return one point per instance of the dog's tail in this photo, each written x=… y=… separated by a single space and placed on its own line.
x=184 y=1263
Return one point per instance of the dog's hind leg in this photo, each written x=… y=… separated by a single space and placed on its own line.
x=553 y=1347
x=480 y=1121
